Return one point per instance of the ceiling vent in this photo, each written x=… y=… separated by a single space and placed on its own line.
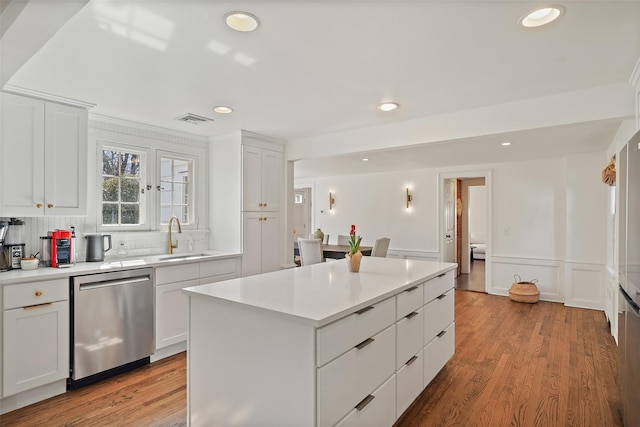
x=194 y=119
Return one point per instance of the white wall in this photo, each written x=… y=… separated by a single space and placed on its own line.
x=547 y=215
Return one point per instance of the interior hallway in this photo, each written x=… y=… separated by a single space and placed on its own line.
x=474 y=281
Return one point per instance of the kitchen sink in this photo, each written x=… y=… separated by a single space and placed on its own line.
x=181 y=257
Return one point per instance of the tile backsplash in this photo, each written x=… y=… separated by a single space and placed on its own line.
x=129 y=243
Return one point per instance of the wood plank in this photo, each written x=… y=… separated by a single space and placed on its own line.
x=516 y=364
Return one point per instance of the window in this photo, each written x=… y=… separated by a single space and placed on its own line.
x=176 y=189
x=121 y=187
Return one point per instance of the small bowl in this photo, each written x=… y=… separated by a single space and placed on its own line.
x=29 y=263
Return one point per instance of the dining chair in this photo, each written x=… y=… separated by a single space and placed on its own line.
x=380 y=247
x=343 y=240
x=310 y=251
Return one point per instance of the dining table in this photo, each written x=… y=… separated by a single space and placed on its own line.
x=339 y=251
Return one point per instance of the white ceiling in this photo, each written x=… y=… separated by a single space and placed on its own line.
x=317 y=67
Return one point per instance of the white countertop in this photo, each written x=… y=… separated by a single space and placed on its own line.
x=321 y=293
x=12 y=277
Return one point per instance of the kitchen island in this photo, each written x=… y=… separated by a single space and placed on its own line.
x=318 y=345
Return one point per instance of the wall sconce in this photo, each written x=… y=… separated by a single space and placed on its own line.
x=409 y=198
x=332 y=201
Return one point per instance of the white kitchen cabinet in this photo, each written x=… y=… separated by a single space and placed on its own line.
x=172 y=306
x=260 y=242
x=43 y=158
x=35 y=335
x=261 y=178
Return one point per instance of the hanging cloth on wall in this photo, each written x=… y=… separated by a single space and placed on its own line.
x=609 y=173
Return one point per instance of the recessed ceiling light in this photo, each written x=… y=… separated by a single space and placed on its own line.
x=221 y=109
x=388 y=106
x=541 y=16
x=242 y=21
x=506 y=143
x=365 y=159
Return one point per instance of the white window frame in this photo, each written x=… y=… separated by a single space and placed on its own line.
x=147 y=198
x=193 y=213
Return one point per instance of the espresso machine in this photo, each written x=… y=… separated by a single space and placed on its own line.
x=5 y=253
x=61 y=248
x=14 y=242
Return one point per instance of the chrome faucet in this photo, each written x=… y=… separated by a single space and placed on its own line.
x=171 y=245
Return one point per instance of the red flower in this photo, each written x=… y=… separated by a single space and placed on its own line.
x=354 y=243
x=353 y=229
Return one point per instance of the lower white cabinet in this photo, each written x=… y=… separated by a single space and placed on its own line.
x=410 y=382
x=172 y=306
x=35 y=335
x=438 y=352
x=376 y=409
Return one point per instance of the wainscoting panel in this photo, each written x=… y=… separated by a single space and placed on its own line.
x=548 y=272
x=584 y=285
x=410 y=254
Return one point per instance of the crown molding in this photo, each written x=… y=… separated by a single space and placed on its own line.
x=17 y=90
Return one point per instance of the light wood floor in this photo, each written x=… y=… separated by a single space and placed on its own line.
x=515 y=365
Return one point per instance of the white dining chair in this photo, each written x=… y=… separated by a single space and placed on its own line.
x=310 y=251
x=380 y=247
x=343 y=240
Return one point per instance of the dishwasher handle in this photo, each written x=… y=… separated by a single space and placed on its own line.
x=110 y=283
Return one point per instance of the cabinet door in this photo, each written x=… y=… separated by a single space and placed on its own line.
x=252 y=243
x=172 y=313
x=270 y=242
x=66 y=160
x=21 y=156
x=35 y=346
x=251 y=178
x=271 y=180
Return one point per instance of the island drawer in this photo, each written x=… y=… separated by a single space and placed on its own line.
x=409 y=331
x=438 y=314
x=438 y=352
x=176 y=273
x=409 y=381
x=438 y=285
x=377 y=409
x=334 y=339
x=409 y=300
x=35 y=293
x=347 y=380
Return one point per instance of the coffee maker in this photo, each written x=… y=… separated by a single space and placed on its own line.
x=5 y=253
x=14 y=242
x=61 y=248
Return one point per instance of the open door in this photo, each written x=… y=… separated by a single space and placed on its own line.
x=450 y=221
x=301 y=213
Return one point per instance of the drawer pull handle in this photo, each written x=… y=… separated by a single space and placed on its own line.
x=360 y=406
x=410 y=361
x=365 y=343
x=441 y=333
x=50 y=205
x=411 y=315
x=38 y=293
x=442 y=296
x=442 y=275
x=364 y=310
x=31 y=307
x=39 y=205
x=412 y=289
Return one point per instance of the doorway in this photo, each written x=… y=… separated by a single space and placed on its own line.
x=465 y=227
x=301 y=213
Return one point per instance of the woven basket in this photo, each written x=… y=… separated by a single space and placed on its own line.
x=526 y=292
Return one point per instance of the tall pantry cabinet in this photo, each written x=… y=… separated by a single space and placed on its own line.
x=43 y=157
x=246 y=199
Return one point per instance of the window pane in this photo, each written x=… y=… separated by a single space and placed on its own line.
x=110 y=189
x=165 y=214
x=179 y=194
x=130 y=164
x=130 y=190
x=165 y=194
x=109 y=162
x=180 y=171
x=130 y=214
x=165 y=169
x=110 y=214
x=181 y=213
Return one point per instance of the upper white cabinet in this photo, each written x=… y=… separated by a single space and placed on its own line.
x=43 y=158
x=262 y=176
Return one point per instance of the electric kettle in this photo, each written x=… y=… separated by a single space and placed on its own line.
x=96 y=246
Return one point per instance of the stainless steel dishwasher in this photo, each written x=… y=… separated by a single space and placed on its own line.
x=112 y=324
